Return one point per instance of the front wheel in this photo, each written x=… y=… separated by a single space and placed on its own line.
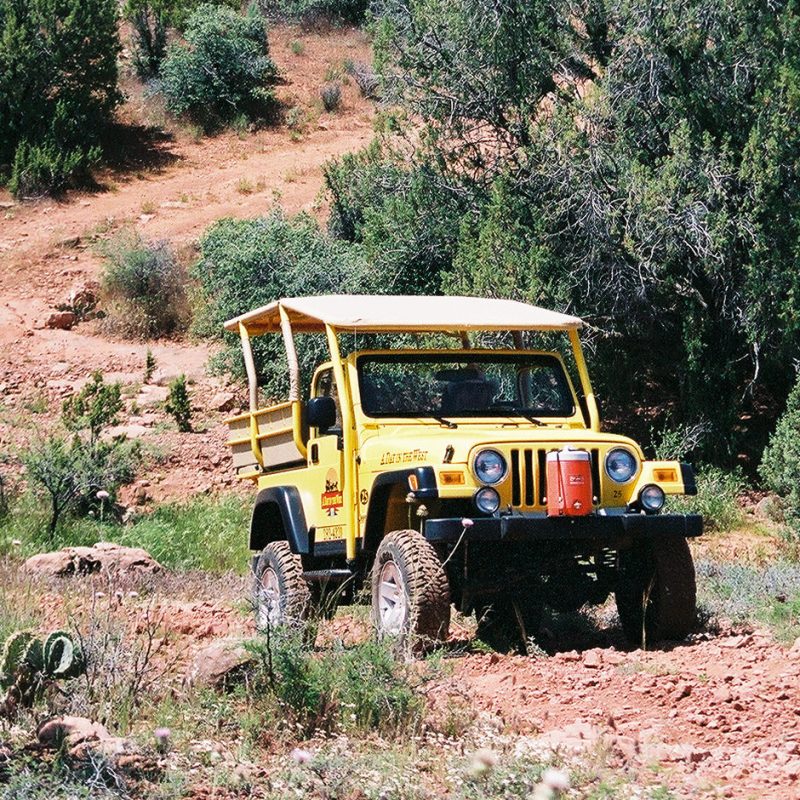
x=410 y=592
x=281 y=595
x=656 y=591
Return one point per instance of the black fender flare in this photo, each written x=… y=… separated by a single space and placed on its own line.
x=278 y=515
x=379 y=498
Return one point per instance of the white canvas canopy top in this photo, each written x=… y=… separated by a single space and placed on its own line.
x=371 y=313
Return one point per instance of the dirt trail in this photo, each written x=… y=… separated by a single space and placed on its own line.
x=718 y=718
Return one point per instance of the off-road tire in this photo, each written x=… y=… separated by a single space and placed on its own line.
x=656 y=591
x=506 y=623
x=425 y=618
x=282 y=569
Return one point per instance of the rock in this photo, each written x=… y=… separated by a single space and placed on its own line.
x=592 y=659
x=682 y=690
x=222 y=401
x=219 y=664
x=83 y=300
x=55 y=732
x=103 y=557
x=163 y=377
x=570 y=655
x=61 y=320
x=794 y=650
x=128 y=431
x=769 y=508
x=150 y=396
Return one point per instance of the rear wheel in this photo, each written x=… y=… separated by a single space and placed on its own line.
x=656 y=592
x=281 y=595
x=410 y=592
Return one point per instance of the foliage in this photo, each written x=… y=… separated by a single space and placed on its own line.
x=331 y=95
x=365 y=78
x=72 y=472
x=203 y=533
x=360 y=687
x=406 y=221
x=178 y=405
x=352 y=11
x=222 y=72
x=145 y=288
x=149 y=365
x=746 y=593
x=628 y=163
x=151 y=21
x=58 y=89
x=245 y=264
x=94 y=407
x=780 y=465
x=717 y=499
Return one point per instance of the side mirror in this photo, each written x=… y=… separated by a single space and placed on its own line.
x=321 y=413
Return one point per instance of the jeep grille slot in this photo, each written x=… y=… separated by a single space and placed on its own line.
x=596 y=474
x=542 y=459
x=515 y=482
x=530 y=499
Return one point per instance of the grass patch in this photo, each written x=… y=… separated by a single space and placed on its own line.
x=716 y=499
x=205 y=533
x=745 y=594
x=357 y=688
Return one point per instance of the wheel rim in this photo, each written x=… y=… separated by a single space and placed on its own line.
x=269 y=607
x=392 y=599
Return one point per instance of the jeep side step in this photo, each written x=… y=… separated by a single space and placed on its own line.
x=324 y=575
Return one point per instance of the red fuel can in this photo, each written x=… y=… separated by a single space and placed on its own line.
x=569 y=483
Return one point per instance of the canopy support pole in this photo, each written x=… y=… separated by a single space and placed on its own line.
x=348 y=479
x=586 y=384
x=252 y=384
x=291 y=355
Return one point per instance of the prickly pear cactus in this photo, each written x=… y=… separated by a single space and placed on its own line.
x=61 y=656
x=27 y=665
x=12 y=656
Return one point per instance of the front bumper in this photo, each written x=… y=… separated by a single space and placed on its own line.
x=594 y=528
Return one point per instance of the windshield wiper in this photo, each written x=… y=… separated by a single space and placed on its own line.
x=446 y=422
x=522 y=413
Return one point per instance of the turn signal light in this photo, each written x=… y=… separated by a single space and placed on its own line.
x=665 y=475
x=451 y=478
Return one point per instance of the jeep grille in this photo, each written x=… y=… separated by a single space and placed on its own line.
x=529 y=476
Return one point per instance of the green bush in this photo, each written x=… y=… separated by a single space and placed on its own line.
x=58 y=89
x=354 y=688
x=352 y=11
x=82 y=473
x=245 y=264
x=223 y=70
x=151 y=21
x=717 y=498
x=145 y=290
x=780 y=464
x=331 y=96
x=178 y=404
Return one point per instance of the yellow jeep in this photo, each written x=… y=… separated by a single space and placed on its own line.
x=439 y=475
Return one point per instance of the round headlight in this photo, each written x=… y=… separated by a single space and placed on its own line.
x=487 y=501
x=651 y=498
x=620 y=465
x=489 y=466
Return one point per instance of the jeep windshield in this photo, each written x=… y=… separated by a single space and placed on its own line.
x=480 y=384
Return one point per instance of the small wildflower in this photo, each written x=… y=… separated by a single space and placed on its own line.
x=411 y=498
x=16 y=542
x=422 y=511
x=483 y=761
x=102 y=495
x=162 y=737
x=467 y=523
x=301 y=756
x=556 y=779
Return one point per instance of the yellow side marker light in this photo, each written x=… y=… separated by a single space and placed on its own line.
x=665 y=475
x=451 y=478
